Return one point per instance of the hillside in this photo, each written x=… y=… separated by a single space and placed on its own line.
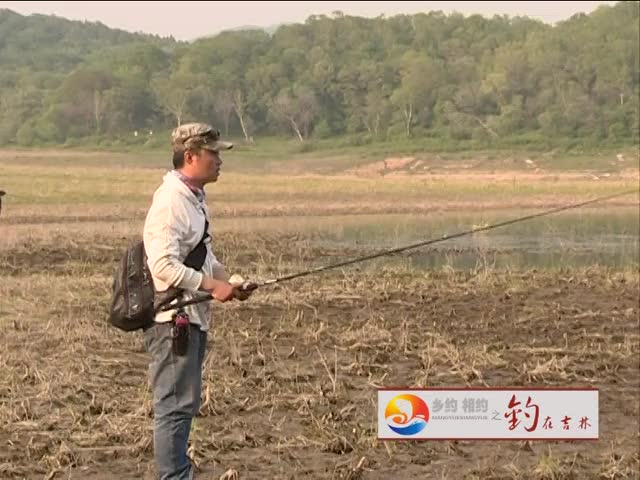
x=425 y=79
x=57 y=45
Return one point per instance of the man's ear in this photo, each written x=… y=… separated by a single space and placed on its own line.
x=188 y=157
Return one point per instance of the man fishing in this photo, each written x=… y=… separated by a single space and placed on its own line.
x=179 y=256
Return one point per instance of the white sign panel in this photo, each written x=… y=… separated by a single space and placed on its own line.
x=488 y=414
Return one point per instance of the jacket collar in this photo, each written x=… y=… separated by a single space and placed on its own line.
x=198 y=191
x=174 y=183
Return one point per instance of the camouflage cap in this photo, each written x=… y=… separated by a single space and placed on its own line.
x=198 y=135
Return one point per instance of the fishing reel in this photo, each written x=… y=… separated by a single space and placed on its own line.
x=241 y=284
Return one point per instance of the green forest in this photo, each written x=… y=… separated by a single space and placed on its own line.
x=448 y=78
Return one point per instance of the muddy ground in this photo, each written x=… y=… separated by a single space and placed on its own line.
x=291 y=376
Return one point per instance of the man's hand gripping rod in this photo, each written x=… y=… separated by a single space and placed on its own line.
x=243 y=286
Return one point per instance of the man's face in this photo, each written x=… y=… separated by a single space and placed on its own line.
x=203 y=165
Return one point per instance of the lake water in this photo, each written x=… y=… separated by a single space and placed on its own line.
x=578 y=238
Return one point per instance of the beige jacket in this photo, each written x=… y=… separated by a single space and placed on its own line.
x=173 y=227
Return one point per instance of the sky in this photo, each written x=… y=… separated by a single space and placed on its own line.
x=191 y=20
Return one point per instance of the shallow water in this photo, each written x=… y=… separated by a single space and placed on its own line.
x=579 y=238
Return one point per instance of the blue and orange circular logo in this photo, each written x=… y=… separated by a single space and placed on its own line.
x=406 y=414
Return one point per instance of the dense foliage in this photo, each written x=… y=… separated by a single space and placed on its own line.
x=426 y=75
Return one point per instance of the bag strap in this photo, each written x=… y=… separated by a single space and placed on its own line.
x=198 y=255
x=195 y=259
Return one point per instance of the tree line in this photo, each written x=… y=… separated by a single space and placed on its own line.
x=407 y=76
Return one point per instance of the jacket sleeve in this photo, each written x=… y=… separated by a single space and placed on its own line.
x=165 y=229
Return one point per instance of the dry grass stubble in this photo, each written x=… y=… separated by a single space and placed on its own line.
x=291 y=376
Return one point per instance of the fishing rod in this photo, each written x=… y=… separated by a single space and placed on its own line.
x=250 y=286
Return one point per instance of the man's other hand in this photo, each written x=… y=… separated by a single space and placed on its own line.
x=219 y=289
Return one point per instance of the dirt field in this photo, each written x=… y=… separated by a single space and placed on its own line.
x=291 y=377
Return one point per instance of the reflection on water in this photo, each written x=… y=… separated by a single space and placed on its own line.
x=583 y=237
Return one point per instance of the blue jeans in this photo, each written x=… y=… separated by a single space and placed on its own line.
x=176 y=382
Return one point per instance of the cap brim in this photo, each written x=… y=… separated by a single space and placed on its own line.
x=217 y=146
